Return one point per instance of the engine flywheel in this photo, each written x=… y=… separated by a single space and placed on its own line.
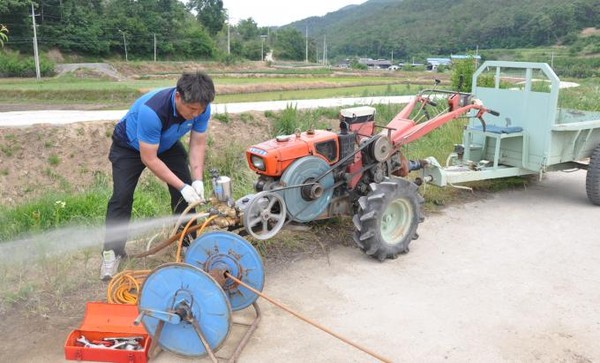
x=305 y=203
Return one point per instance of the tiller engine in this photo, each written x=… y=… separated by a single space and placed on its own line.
x=356 y=171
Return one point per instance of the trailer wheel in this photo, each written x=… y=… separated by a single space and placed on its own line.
x=387 y=218
x=592 y=180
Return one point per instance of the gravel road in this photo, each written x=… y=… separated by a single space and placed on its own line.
x=28 y=118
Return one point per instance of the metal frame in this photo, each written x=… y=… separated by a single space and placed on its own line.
x=551 y=138
x=155 y=348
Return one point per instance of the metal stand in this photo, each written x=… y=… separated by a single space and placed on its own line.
x=249 y=331
x=155 y=349
x=187 y=307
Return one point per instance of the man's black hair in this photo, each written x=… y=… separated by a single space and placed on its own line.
x=196 y=87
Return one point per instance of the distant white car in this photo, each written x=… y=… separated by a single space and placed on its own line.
x=393 y=68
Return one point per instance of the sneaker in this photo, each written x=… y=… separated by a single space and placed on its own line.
x=110 y=265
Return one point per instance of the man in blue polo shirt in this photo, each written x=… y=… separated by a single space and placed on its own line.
x=148 y=136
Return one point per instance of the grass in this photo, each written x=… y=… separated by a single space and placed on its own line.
x=52 y=276
x=152 y=197
x=350 y=91
x=59 y=208
x=69 y=89
x=53 y=160
x=585 y=97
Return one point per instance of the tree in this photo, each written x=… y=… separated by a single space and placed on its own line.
x=8 y=5
x=73 y=26
x=248 y=29
x=179 y=35
x=14 y=14
x=462 y=74
x=210 y=13
x=289 y=44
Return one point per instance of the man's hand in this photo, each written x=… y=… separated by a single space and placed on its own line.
x=198 y=186
x=190 y=195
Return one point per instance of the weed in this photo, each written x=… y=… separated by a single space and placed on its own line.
x=53 y=160
x=22 y=294
x=6 y=150
x=4 y=172
x=223 y=117
x=59 y=205
x=287 y=122
x=232 y=163
x=246 y=117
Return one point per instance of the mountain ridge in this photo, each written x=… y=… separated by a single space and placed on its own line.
x=377 y=28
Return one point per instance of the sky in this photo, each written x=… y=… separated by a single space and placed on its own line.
x=281 y=12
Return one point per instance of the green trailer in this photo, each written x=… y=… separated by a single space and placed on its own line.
x=532 y=135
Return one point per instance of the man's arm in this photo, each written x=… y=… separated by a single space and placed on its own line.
x=149 y=155
x=197 y=152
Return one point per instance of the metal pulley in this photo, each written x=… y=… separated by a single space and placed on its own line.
x=309 y=200
x=381 y=148
x=264 y=215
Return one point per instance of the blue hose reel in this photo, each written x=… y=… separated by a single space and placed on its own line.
x=187 y=307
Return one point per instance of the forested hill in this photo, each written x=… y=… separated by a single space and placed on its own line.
x=409 y=27
x=197 y=29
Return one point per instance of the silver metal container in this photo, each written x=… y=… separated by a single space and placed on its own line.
x=222 y=188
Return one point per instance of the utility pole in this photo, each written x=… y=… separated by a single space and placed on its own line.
x=154 y=46
x=35 y=46
x=324 y=49
x=124 y=44
x=262 y=47
x=306 y=45
x=228 y=37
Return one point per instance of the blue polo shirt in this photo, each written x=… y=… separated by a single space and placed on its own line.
x=153 y=119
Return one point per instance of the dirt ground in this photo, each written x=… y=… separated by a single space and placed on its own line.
x=48 y=157
x=471 y=289
x=70 y=157
x=513 y=278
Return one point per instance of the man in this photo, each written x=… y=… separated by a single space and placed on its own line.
x=148 y=136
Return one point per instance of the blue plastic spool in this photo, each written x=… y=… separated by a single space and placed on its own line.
x=173 y=285
x=226 y=251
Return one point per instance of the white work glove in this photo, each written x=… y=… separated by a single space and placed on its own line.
x=198 y=186
x=190 y=195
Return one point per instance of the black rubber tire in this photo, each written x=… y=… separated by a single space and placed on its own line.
x=392 y=204
x=592 y=180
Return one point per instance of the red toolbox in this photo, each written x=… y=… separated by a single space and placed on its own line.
x=104 y=320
